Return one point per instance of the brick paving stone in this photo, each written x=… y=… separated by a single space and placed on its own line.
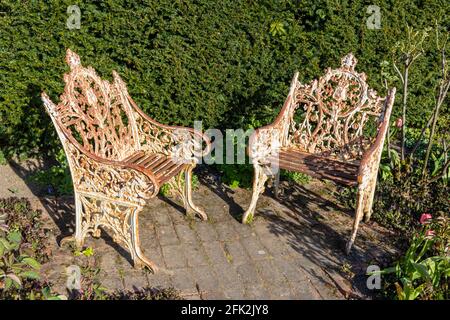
x=270 y=273
x=206 y=232
x=226 y=259
x=195 y=255
x=167 y=235
x=215 y=295
x=248 y=275
x=206 y=279
x=226 y=231
x=215 y=252
x=234 y=293
x=176 y=216
x=236 y=252
x=261 y=228
x=183 y=281
x=135 y=279
x=112 y=280
x=228 y=276
x=302 y=290
x=185 y=233
x=290 y=270
x=161 y=217
x=148 y=236
x=174 y=256
x=159 y=280
x=244 y=230
x=255 y=248
x=256 y=292
x=220 y=214
x=154 y=254
x=275 y=247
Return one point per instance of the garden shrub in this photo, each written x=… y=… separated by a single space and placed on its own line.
x=195 y=60
x=399 y=201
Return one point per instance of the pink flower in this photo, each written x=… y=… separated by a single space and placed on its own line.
x=399 y=123
x=429 y=234
x=425 y=217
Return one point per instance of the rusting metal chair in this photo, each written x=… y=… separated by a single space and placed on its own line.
x=327 y=139
x=118 y=156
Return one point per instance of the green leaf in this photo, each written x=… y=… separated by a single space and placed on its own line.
x=8 y=283
x=88 y=252
x=32 y=275
x=14 y=278
x=421 y=270
x=32 y=263
x=15 y=236
x=5 y=244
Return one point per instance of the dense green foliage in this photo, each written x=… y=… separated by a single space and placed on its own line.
x=195 y=60
x=424 y=270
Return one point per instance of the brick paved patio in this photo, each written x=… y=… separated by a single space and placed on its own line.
x=293 y=249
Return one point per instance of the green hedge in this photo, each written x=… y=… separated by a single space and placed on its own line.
x=215 y=61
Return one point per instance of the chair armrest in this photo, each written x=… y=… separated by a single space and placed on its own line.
x=185 y=144
x=267 y=140
x=116 y=179
x=371 y=158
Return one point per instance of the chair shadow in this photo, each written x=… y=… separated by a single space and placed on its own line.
x=210 y=178
x=298 y=224
x=306 y=231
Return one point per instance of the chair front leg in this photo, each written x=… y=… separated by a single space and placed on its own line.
x=191 y=208
x=139 y=260
x=79 y=234
x=359 y=211
x=119 y=217
x=370 y=193
x=259 y=179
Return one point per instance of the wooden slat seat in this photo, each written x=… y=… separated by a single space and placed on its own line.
x=162 y=166
x=344 y=173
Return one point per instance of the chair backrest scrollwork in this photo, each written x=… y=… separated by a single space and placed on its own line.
x=333 y=112
x=95 y=112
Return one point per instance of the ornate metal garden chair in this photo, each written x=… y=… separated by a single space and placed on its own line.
x=118 y=156
x=327 y=139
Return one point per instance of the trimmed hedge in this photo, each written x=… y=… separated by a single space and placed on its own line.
x=215 y=61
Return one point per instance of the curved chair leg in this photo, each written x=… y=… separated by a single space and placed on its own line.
x=118 y=216
x=259 y=179
x=191 y=208
x=359 y=211
x=78 y=236
x=138 y=257
x=369 y=199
